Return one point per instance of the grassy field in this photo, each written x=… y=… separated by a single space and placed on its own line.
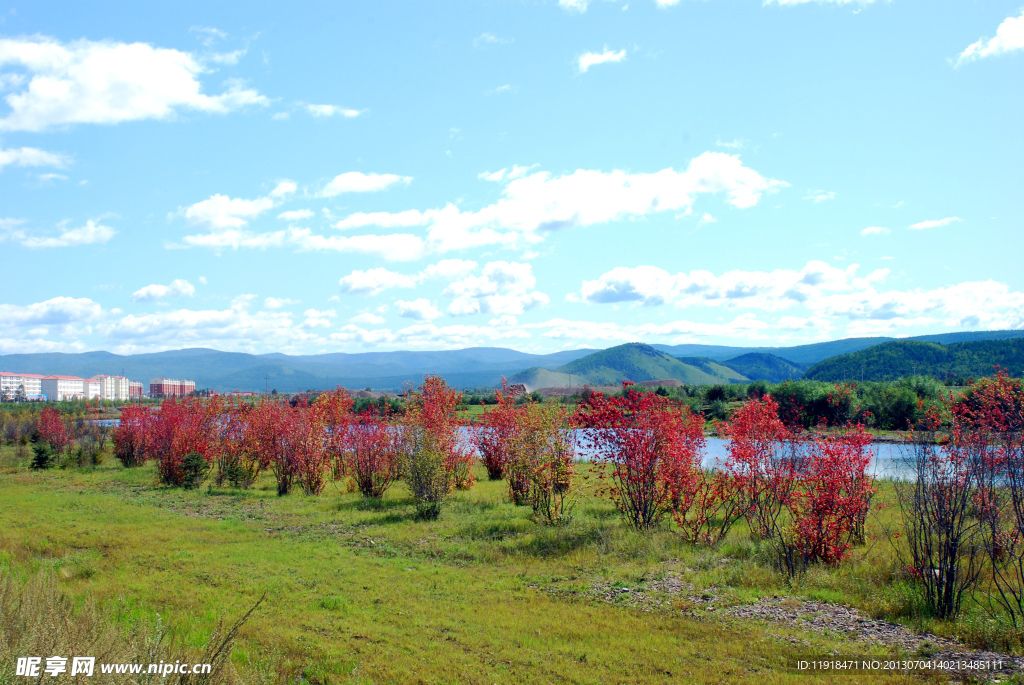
x=362 y=592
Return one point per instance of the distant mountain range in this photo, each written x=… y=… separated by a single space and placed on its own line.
x=480 y=367
x=225 y=371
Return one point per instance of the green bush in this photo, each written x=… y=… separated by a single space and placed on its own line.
x=43 y=456
x=196 y=468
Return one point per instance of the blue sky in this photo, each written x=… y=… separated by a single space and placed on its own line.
x=336 y=177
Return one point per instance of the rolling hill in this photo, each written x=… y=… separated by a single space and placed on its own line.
x=816 y=352
x=632 y=361
x=893 y=360
x=761 y=366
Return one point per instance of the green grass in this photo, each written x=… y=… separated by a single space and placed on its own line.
x=360 y=591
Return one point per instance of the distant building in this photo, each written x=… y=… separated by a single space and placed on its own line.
x=170 y=387
x=19 y=385
x=136 y=390
x=92 y=389
x=60 y=388
x=115 y=387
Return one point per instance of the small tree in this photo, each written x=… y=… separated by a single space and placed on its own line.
x=944 y=535
x=645 y=441
x=130 y=436
x=376 y=454
x=762 y=463
x=545 y=452
x=497 y=433
x=435 y=462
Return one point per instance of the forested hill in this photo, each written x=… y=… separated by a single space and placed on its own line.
x=893 y=360
x=632 y=361
x=760 y=366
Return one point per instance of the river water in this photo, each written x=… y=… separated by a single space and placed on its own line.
x=888 y=461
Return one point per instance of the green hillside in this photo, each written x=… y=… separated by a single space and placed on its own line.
x=894 y=360
x=816 y=352
x=632 y=361
x=713 y=368
x=760 y=366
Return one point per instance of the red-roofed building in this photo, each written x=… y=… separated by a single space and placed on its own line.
x=171 y=387
x=60 y=388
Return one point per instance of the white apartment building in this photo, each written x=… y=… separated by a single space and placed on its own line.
x=92 y=388
x=114 y=387
x=59 y=388
x=12 y=383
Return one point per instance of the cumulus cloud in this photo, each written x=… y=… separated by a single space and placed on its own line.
x=420 y=308
x=501 y=288
x=30 y=156
x=278 y=302
x=935 y=223
x=107 y=82
x=820 y=195
x=785 y=3
x=531 y=205
x=367 y=318
x=232 y=328
x=332 y=111
x=220 y=212
x=874 y=230
x=1009 y=37
x=825 y=291
x=178 y=288
x=376 y=281
x=358 y=182
x=574 y=5
x=91 y=234
x=296 y=214
x=534 y=204
x=590 y=59
x=57 y=311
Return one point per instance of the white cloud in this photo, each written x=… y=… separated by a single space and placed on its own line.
x=820 y=195
x=874 y=230
x=532 y=204
x=410 y=217
x=420 y=308
x=278 y=302
x=332 y=111
x=490 y=39
x=368 y=318
x=785 y=3
x=178 y=288
x=707 y=219
x=375 y=281
x=734 y=144
x=107 y=82
x=825 y=291
x=502 y=288
x=935 y=223
x=589 y=59
x=90 y=234
x=30 y=156
x=574 y=5
x=506 y=174
x=318 y=319
x=358 y=182
x=296 y=214
x=232 y=328
x=220 y=212
x=1009 y=37
x=58 y=311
